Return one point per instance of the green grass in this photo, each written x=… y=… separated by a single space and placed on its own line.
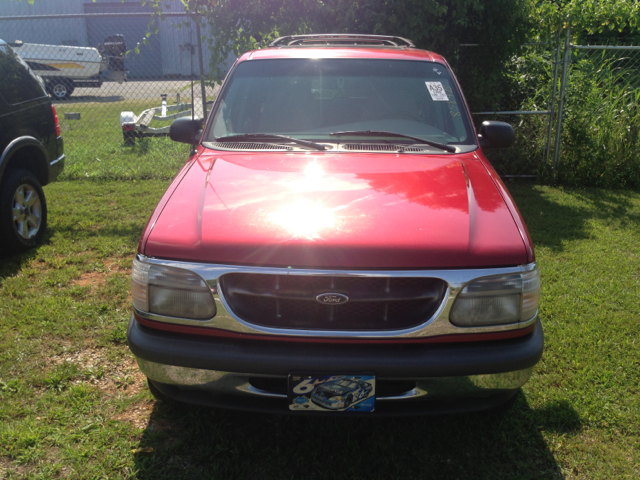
x=95 y=149
x=73 y=404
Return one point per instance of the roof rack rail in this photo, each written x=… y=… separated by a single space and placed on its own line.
x=341 y=39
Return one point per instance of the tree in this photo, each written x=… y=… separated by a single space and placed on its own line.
x=500 y=26
x=586 y=17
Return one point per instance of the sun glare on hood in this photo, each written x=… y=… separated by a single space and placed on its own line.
x=312 y=179
x=304 y=219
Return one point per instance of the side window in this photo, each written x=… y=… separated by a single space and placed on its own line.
x=17 y=82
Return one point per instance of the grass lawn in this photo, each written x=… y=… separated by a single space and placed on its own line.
x=95 y=148
x=73 y=404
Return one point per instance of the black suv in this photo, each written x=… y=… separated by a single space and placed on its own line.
x=31 y=153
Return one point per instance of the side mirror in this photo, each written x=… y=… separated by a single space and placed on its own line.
x=185 y=130
x=495 y=134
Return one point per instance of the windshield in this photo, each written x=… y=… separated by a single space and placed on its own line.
x=312 y=98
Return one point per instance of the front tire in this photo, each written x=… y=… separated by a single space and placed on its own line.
x=23 y=212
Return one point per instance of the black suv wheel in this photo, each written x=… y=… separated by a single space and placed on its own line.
x=23 y=211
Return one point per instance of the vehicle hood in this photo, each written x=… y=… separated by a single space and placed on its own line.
x=337 y=211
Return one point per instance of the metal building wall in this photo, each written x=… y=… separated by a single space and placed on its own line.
x=71 y=31
x=174 y=36
x=147 y=61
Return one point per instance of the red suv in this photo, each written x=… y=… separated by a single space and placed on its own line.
x=337 y=219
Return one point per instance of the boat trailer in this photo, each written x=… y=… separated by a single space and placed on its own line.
x=138 y=126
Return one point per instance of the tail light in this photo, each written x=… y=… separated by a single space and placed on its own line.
x=56 y=121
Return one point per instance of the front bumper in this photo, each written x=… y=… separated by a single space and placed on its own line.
x=411 y=378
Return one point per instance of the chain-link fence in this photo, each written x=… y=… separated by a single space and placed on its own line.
x=119 y=74
x=576 y=112
x=598 y=132
x=117 y=81
x=520 y=95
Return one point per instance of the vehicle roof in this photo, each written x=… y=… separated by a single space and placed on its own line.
x=387 y=53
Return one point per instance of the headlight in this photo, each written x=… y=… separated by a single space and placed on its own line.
x=171 y=292
x=498 y=300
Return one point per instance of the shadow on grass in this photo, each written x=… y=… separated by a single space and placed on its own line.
x=10 y=265
x=130 y=232
x=560 y=215
x=558 y=417
x=141 y=145
x=191 y=442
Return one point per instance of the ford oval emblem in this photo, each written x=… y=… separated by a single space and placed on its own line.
x=332 y=299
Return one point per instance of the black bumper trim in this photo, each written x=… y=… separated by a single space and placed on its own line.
x=280 y=406
x=386 y=361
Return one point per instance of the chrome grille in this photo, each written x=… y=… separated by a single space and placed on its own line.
x=375 y=303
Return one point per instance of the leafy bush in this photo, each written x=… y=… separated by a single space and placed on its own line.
x=526 y=156
x=601 y=124
x=528 y=77
x=601 y=130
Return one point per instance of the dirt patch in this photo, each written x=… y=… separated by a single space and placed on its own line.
x=114 y=266
x=7 y=466
x=144 y=415
x=39 y=265
x=119 y=377
x=113 y=377
x=91 y=279
x=98 y=278
x=137 y=415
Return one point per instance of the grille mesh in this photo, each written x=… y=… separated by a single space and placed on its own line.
x=351 y=147
x=371 y=147
x=250 y=146
x=375 y=303
x=377 y=147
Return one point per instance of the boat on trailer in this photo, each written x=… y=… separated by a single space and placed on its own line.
x=65 y=68
x=138 y=126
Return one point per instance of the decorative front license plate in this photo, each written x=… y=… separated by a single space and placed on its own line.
x=346 y=393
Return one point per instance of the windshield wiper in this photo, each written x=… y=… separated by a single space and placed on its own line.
x=270 y=136
x=374 y=133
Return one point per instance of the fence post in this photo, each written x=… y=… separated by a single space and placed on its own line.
x=202 y=89
x=552 y=101
x=563 y=91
